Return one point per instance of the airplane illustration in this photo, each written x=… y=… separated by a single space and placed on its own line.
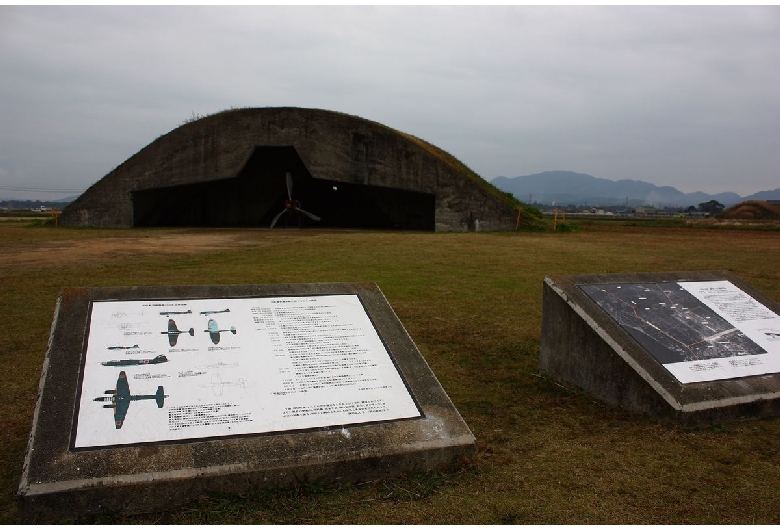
x=120 y=399
x=217 y=385
x=220 y=365
x=134 y=346
x=169 y=313
x=214 y=330
x=214 y=312
x=136 y=362
x=174 y=332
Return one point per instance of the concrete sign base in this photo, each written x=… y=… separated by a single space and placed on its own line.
x=695 y=347
x=151 y=396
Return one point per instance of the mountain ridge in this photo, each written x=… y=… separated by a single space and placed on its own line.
x=569 y=187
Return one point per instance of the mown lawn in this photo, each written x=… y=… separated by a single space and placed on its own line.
x=472 y=303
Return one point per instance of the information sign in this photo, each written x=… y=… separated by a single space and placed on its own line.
x=165 y=370
x=699 y=331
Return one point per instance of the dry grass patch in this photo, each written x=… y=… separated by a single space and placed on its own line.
x=472 y=303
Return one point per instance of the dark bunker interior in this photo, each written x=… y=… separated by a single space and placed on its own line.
x=258 y=194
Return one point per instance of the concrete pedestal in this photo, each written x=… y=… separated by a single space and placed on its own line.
x=584 y=346
x=61 y=481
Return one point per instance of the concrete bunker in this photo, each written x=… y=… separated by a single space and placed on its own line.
x=258 y=193
x=228 y=169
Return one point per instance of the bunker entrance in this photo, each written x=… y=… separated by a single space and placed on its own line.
x=347 y=205
x=258 y=194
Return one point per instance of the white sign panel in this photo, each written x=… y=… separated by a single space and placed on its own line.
x=747 y=318
x=162 y=370
x=699 y=331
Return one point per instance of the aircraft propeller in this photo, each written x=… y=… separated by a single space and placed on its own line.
x=292 y=205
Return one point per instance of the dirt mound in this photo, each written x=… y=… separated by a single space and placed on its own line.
x=761 y=210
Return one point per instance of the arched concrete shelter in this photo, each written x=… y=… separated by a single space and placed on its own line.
x=229 y=169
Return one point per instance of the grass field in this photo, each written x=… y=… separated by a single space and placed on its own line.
x=472 y=303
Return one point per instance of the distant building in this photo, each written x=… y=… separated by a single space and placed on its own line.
x=645 y=211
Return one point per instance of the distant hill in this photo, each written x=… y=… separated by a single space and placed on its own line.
x=770 y=195
x=49 y=202
x=568 y=187
x=16 y=204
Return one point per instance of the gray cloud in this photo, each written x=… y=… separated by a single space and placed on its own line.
x=675 y=96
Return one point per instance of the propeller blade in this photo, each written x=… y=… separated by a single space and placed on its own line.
x=289 y=180
x=273 y=223
x=309 y=215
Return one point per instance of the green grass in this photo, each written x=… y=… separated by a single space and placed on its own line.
x=472 y=303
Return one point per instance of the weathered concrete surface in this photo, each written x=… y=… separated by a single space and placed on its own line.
x=331 y=145
x=583 y=346
x=59 y=483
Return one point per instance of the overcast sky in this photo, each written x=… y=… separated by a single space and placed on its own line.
x=686 y=97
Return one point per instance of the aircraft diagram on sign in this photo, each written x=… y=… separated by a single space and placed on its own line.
x=136 y=362
x=169 y=313
x=218 y=386
x=220 y=365
x=207 y=313
x=174 y=332
x=771 y=334
x=214 y=330
x=120 y=398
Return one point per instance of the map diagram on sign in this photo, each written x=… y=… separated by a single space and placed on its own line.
x=670 y=323
x=698 y=330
